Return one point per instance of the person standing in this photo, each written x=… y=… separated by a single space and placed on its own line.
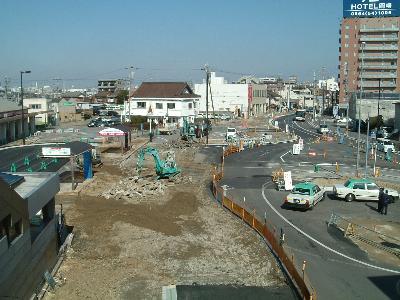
x=386 y=200
x=380 y=200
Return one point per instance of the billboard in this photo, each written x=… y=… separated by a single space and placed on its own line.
x=371 y=8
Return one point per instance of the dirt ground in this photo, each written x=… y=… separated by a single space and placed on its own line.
x=130 y=249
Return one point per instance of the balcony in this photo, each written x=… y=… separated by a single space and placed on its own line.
x=379 y=67
x=382 y=29
x=379 y=39
x=381 y=48
x=376 y=84
x=375 y=56
x=379 y=75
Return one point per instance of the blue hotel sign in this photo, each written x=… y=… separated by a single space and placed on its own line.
x=371 y=8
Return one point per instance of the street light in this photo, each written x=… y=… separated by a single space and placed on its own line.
x=129 y=89
x=359 y=108
x=22 y=107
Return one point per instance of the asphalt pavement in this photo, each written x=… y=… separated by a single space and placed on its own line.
x=336 y=267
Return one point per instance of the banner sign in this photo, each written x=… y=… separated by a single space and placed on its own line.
x=287 y=177
x=56 y=152
x=371 y=8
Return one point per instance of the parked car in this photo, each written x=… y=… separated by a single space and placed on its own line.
x=323 y=129
x=304 y=195
x=384 y=132
x=361 y=189
x=384 y=145
x=231 y=133
x=343 y=121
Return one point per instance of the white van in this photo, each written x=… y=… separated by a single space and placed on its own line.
x=231 y=133
x=384 y=145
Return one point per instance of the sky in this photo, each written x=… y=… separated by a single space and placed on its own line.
x=167 y=40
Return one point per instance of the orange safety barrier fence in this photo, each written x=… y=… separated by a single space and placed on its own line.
x=299 y=278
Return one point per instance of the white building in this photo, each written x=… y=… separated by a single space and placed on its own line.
x=164 y=102
x=329 y=84
x=40 y=106
x=232 y=97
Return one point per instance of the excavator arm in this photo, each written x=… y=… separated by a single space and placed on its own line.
x=162 y=170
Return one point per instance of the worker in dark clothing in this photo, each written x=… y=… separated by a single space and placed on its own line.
x=380 y=200
x=386 y=201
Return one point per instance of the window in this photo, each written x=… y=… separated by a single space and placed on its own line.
x=159 y=106
x=190 y=105
x=15 y=231
x=346 y=45
x=171 y=105
x=35 y=106
x=347 y=27
x=372 y=187
x=359 y=186
x=346 y=36
x=141 y=105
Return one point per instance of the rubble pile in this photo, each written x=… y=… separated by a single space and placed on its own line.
x=135 y=187
x=181 y=144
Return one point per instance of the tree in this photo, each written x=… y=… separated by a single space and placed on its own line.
x=122 y=96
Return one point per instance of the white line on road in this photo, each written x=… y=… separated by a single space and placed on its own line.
x=283 y=156
x=318 y=242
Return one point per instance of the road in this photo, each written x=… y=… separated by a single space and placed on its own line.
x=341 y=275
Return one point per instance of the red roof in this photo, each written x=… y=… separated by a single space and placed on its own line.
x=164 y=90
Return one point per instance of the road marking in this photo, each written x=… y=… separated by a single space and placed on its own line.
x=283 y=156
x=318 y=242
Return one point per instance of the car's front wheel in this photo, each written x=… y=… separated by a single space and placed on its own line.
x=350 y=197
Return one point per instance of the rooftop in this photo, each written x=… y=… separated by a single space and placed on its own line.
x=6 y=105
x=164 y=90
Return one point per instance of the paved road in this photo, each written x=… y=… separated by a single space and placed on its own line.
x=247 y=175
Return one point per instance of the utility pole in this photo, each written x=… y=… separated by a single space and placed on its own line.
x=207 y=82
x=366 y=149
x=313 y=102
x=22 y=107
x=6 y=82
x=379 y=96
x=346 y=77
x=323 y=90
x=130 y=76
x=359 y=108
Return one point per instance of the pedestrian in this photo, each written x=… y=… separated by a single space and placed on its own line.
x=386 y=200
x=380 y=200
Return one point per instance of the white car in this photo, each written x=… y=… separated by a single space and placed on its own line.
x=343 y=121
x=361 y=189
x=323 y=128
x=231 y=133
x=384 y=145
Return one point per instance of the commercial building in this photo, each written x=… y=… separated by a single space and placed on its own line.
x=40 y=106
x=369 y=48
x=11 y=122
x=28 y=231
x=164 y=102
x=111 y=86
x=224 y=96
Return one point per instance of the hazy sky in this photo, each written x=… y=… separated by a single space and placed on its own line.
x=167 y=39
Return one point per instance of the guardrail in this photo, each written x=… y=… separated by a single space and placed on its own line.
x=275 y=243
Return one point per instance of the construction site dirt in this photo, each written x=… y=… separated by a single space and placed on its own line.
x=134 y=235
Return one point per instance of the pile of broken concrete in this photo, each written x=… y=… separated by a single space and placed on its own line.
x=135 y=187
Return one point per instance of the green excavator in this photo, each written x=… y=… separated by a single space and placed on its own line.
x=164 y=169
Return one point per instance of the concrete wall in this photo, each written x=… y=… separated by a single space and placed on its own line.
x=387 y=109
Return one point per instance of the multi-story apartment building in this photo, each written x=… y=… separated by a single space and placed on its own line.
x=369 y=47
x=112 y=85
